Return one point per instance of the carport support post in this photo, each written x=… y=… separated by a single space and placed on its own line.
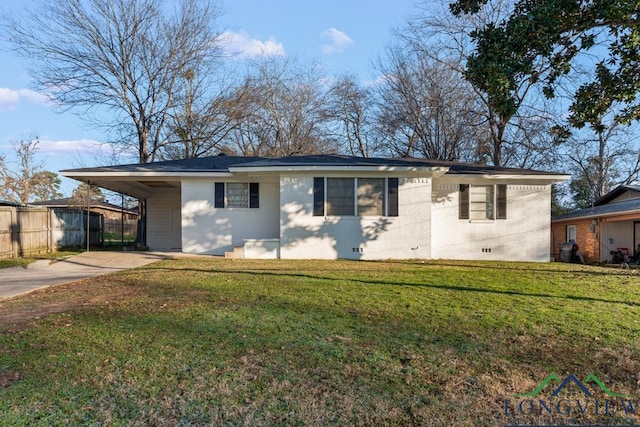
x=122 y=221
x=88 y=211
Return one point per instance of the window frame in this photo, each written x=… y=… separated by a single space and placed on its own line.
x=221 y=195
x=498 y=202
x=341 y=202
x=231 y=202
x=575 y=233
x=321 y=196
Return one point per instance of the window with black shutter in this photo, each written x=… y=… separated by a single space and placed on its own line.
x=318 y=196
x=392 y=196
x=483 y=202
x=355 y=196
x=219 y=195
x=254 y=195
x=236 y=195
x=464 y=202
x=501 y=201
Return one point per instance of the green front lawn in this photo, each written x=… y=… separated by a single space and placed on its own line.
x=241 y=342
x=25 y=261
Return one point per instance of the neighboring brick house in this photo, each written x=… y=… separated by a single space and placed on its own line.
x=613 y=222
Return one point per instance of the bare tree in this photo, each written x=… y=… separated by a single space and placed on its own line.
x=425 y=110
x=28 y=180
x=202 y=123
x=504 y=138
x=603 y=158
x=351 y=107
x=282 y=109
x=120 y=59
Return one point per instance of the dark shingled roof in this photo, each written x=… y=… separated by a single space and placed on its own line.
x=9 y=203
x=617 y=192
x=222 y=163
x=603 y=210
x=199 y=164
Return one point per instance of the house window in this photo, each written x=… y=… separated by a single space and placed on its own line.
x=371 y=197
x=340 y=196
x=571 y=233
x=483 y=202
x=355 y=196
x=237 y=195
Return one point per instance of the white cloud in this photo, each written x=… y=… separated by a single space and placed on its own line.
x=10 y=98
x=338 y=41
x=71 y=146
x=240 y=45
x=82 y=153
x=35 y=97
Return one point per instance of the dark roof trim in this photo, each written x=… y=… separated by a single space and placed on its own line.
x=8 y=203
x=615 y=193
x=626 y=207
x=223 y=163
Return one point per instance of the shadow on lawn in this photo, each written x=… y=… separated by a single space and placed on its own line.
x=421 y=285
x=561 y=268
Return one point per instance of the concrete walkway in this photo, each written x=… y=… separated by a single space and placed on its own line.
x=43 y=273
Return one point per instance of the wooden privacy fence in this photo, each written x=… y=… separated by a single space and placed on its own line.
x=116 y=226
x=28 y=231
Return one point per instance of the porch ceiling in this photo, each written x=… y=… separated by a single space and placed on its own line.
x=138 y=187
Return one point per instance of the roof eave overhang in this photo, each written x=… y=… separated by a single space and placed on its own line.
x=132 y=182
x=404 y=170
x=140 y=174
x=541 y=178
x=624 y=215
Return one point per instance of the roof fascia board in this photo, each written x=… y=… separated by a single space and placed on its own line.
x=543 y=178
x=602 y=215
x=435 y=171
x=137 y=174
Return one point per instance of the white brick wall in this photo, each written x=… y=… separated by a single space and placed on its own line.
x=427 y=225
x=303 y=235
x=207 y=230
x=523 y=236
x=163 y=222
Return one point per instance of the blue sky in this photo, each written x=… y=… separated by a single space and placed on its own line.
x=342 y=35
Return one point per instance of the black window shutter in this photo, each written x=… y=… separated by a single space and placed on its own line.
x=392 y=196
x=318 y=196
x=219 y=195
x=464 y=201
x=254 y=195
x=501 y=201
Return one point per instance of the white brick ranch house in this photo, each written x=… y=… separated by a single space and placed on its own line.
x=331 y=206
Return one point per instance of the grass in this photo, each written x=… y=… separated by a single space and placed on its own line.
x=222 y=342
x=115 y=238
x=25 y=261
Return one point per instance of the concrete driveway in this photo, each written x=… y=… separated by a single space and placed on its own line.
x=43 y=273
